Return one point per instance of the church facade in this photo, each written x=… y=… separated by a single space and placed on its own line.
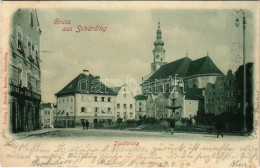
x=184 y=72
x=185 y=76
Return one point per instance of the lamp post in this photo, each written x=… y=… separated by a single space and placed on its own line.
x=244 y=67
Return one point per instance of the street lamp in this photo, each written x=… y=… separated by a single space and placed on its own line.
x=244 y=66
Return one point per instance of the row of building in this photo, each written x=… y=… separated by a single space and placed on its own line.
x=183 y=88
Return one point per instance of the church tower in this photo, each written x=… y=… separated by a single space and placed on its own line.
x=158 y=52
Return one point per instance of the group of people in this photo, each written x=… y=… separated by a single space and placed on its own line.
x=85 y=124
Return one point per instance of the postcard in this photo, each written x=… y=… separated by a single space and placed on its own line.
x=130 y=84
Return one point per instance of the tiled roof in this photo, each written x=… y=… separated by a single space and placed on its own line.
x=86 y=84
x=185 y=67
x=176 y=67
x=45 y=105
x=141 y=97
x=202 y=66
x=116 y=89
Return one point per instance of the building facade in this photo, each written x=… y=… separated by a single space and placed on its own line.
x=140 y=106
x=125 y=103
x=85 y=98
x=47 y=113
x=24 y=71
x=249 y=116
x=220 y=97
x=150 y=106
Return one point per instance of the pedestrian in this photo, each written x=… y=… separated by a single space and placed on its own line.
x=83 y=123
x=219 y=127
x=87 y=124
x=189 y=123
x=172 y=124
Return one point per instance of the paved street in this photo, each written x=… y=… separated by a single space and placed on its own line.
x=68 y=133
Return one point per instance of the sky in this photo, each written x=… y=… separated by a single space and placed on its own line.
x=124 y=50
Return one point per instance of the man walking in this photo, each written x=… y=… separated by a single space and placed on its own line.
x=172 y=124
x=83 y=123
x=219 y=127
x=87 y=124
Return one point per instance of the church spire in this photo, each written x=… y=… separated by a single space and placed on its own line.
x=158 y=51
x=158 y=41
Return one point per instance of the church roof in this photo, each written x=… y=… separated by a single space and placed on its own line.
x=202 y=66
x=185 y=67
x=86 y=84
x=176 y=67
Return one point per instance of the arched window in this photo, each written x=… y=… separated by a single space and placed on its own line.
x=36 y=82
x=19 y=38
x=29 y=86
x=20 y=70
x=31 y=19
x=29 y=47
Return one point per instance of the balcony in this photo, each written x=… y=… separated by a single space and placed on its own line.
x=23 y=92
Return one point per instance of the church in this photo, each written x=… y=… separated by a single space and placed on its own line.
x=186 y=77
x=184 y=72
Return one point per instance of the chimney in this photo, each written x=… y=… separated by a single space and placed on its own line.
x=86 y=72
x=97 y=77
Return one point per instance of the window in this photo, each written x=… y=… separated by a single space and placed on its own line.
x=124 y=95
x=102 y=110
x=118 y=106
x=83 y=110
x=29 y=86
x=95 y=98
x=32 y=51
x=118 y=114
x=102 y=99
x=140 y=103
x=19 y=38
x=124 y=106
x=67 y=99
x=140 y=109
x=109 y=99
x=109 y=110
x=71 y=99
x=131 y=106
x=29 y=46
x=20 y=75
x=31 y=19
x=96 y=109
x=131 y=115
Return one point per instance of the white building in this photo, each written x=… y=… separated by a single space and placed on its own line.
x=47 y=113
x=85 y=98
x=125 y=103
x=140 y=106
